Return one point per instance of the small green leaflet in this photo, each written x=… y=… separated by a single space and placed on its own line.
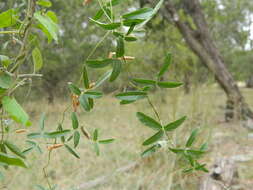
x=154 y=138
x=117 y=66
x=74 y=120
x=172 y=126
x=132 y=95
x=96 y=63
x=13 y=148
x=11 y=160
x=125 y=102
x=154 y=12
x=86 y=78
x=85 y=103
x=148 y=121
x=37 y=59
x=96 y=148
x=150 y=150
x=165 y=66
x=16 y=112
x=120 y=51
x=56 y=134
x=34 y=135
x=76 y=138
x=95 y=135
x=5 y=80
x=169 y=84
x=110 y=26
x=8 y=18
x=93 y=94
x=144 y=81
x=192 y=138
x=71 y=151
x=130 y=38
x=44 y=3
x=74 y=89
x=5 y=60
x=42 y=121
x=107 y=141
x=143 y=13
x=51 y=27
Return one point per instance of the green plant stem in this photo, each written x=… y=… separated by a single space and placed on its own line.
x=102 y=7
x=93 y=51
x=154 y=109
x=27 y=23
x=45 y=170
x=9 y=32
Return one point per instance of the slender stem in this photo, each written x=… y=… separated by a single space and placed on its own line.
x=45 y=170
x=102 y=7
x=9 y=32
x=154 y=109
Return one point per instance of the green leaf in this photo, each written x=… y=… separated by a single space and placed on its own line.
x=124 y=102
x=13 y=148
x=8 y=18
x=154 y=12
x=148 y=121
x=95 y=135
x=117 y=66
x=96 y=63
x=169 y=84
x=165 y=66
x=42 y=121
x=5 y=81
x=34 y=135
x=106 y=141
x=143 y=13
x=91 y=102
x=44 y=3
x=103 y=78
x=74 y=89
x=74 y=120
x=51 y=27
x=56 y=134
x=84 y=101
x=131 y=28
x=16 y=112
x=5 y=60
x=192 y=138
x=110 y=26
x=195 y=152
x=154 y=138
x=132 y=23
x=177 y=150
x=76 y=138
x=120 y=51
x=132 y=95
x=86 y=78
x=204 y=147
x=93 y=94
x=11 y=160
x=96 y=148
x=37 y=59
x=71 y=151
x=144 y=81
x=172 y=126
x=130 y=38
x=60 y=128
x=150 y=150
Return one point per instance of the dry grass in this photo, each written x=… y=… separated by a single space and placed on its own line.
x=158 y=172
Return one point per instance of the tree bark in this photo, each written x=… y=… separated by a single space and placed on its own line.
x=200 y=42
x=249 y=83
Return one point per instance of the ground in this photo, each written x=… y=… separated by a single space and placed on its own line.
x=204 y=108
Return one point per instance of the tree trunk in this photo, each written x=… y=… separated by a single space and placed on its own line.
x=200 y=42
x=249 y=83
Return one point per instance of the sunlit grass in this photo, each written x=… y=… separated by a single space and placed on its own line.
x=203 y=108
